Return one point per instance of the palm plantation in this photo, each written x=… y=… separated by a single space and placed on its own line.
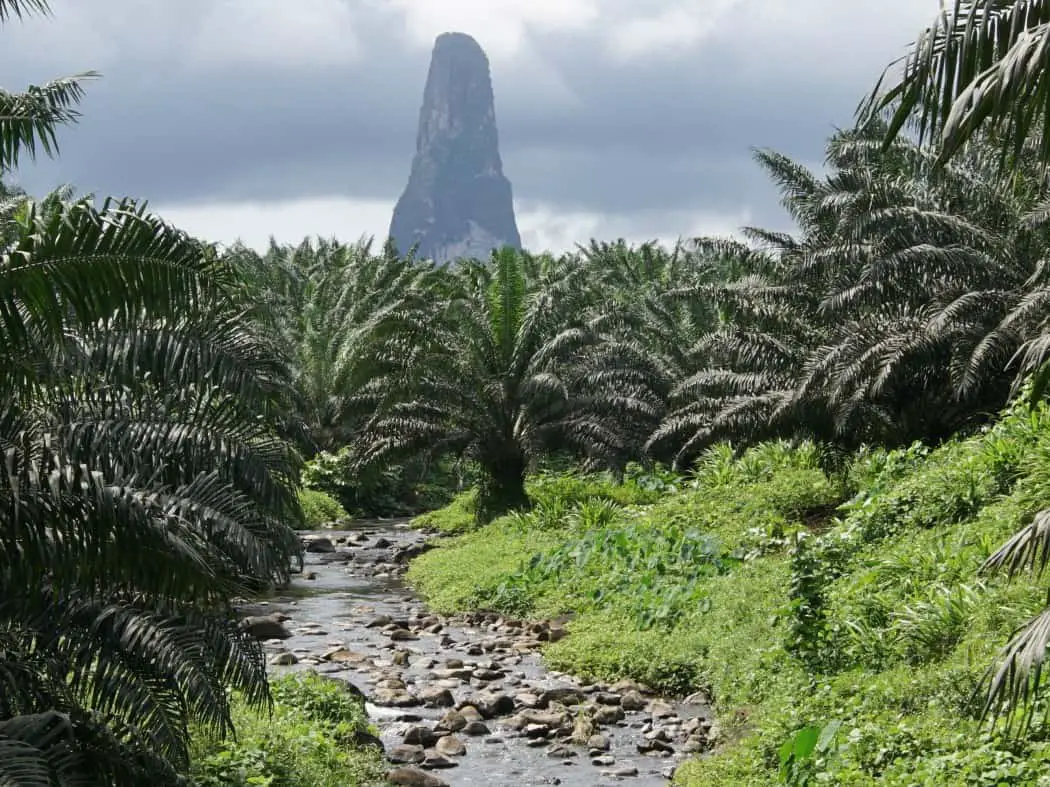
x=160 y=394
x=146 y=479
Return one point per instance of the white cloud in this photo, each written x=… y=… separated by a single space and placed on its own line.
x=676 y=26
x=543 y=227
x=502 y=26
x=275 y=32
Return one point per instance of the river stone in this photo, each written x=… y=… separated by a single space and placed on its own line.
x=265 y=627
x=529 y=716
x=413 y=777
x=470 y=713
x=560 y=751
x=420 y=736
x=342 y=655
x=491 y=704
x=608 y=714
x=319 y=544
x=402 y=635
x=285 y=659
x=454 y=664
x=405 y=753
x=453 y=721
x=599 y=742
x=606 y=698
x=459 y=673
x=395 y=698
x=632 y=701
x=378 y=622
x=564 y=695
x=451 y=746
x=660 y=710
x=475 y=728
x=527 y=700
x=435 y=760
x=487 y=674
x=437 y=697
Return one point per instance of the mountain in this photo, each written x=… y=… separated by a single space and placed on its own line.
x=457 y=202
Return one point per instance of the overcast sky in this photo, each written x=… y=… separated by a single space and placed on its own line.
x=617 y=118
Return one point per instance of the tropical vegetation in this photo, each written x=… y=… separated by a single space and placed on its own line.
x=796 y=471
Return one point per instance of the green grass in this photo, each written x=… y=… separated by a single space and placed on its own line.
x=796 y=599
x=310 y=740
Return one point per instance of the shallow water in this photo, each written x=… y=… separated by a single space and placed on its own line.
x=333 y=609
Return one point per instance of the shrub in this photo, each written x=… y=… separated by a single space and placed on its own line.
x=320 y=509
x=310 y=740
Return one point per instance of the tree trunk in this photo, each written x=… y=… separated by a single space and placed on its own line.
x=502 y=487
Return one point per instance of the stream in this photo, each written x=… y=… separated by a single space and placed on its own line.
x=465 y=700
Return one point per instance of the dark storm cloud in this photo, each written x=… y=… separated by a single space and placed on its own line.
x=669 y=133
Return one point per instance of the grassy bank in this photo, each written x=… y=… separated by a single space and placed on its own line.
x=802 y=600
x=316 y=737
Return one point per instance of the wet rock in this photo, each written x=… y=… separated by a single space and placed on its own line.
x=603 y=761
x=378 y=622
x=405 y=753
x=491 y=704
x=453 y=721
x=527 y=700
x=560 y=751
x=476 y=728
x=402 y=635
x=599 y=742
x=344 y=656
x=413 y=777
x=564 y=696
x=319 y=544
x=436 y=761
x=608 y=714
x=626 y=685
x=633 y=700
x=470 y=713
x=420 y=736
x=487 y=674
x=627 y=770
x=606 y=698
x=660 y=710
x=450 y=746
x=265 y=627
x=529 y=716
x=395 y=698
x=437 y=697
x=454 y=673
x=401 y=658
x=285 y=659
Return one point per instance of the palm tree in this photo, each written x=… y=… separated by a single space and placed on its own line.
x=145 y=481
x=498 y=369
x=326 y=300
x=982 y=64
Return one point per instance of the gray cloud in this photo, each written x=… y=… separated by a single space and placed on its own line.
x=580 y=130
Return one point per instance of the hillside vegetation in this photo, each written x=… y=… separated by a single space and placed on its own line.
x=853 y=414
x=851 y=601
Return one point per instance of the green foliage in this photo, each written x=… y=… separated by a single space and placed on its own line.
x=458 y=516
x=653 y=569
x=391 y=490
x=320 y=509
x=312 y=738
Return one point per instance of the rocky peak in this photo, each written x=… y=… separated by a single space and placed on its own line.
x=457 y=202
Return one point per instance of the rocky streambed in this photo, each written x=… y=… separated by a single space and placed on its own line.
x=464 y=700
